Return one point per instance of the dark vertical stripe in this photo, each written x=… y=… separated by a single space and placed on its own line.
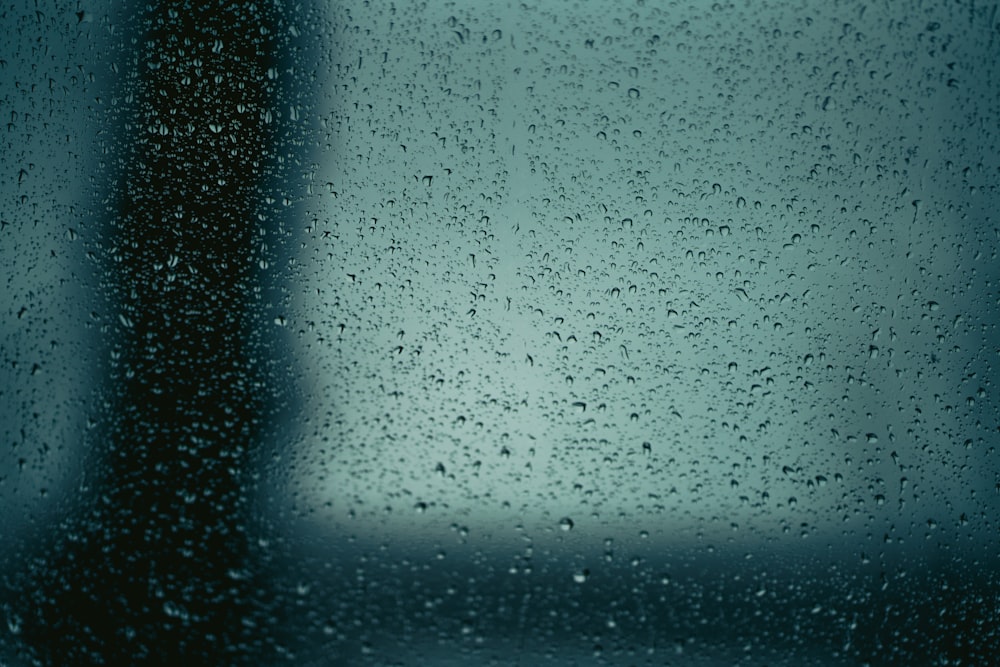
x=162 y=566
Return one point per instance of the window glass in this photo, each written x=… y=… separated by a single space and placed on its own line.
x=536 y=333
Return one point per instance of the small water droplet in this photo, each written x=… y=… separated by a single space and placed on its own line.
x=174 y=610
x=14 y=623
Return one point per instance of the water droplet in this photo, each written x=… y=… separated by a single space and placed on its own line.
x=174 y=610
x=566 y=524
x=13 y=623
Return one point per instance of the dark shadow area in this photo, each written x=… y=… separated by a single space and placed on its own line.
x=466 y=601
x=160 y=558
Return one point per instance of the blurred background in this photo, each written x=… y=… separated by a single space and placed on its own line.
x=564 y=334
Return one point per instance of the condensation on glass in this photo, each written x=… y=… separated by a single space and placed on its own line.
x=592 y=333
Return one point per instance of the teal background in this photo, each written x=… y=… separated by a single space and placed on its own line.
x=760 y=239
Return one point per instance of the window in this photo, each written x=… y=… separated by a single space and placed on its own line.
x=553 y=333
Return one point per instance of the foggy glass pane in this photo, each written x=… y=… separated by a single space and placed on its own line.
x=554 y=333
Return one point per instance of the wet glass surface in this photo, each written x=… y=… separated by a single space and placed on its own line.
x=554 y=333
